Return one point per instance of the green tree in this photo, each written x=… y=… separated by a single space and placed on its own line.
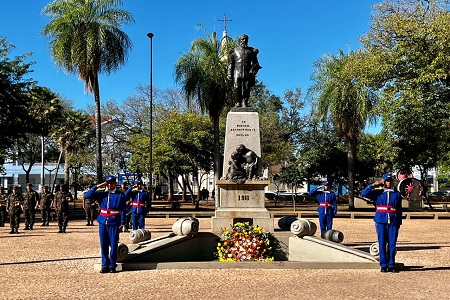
x=202 y=74
x=85 y=38
x=346 y=100
x=14 y=97
x=409 y=49
x=73 y=134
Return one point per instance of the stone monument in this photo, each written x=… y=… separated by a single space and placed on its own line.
x=242 y=187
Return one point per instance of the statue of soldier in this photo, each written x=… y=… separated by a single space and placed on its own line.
x=242 y=68
x=14 y=206
x=61 y=204
x=3 y=203
x=45 y=205
x=31 y=199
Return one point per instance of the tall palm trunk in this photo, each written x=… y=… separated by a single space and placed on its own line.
x=66 y=168
x=217 y=160
x=98 y=131
x=351 y=156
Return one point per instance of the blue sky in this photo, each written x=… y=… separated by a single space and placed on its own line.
x=290 y=35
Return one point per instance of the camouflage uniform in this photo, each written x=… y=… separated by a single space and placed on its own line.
x=3 y=203
x=45 y=204
x=31 y=198
x=61 y=201
x=90 y=208
x=14 y=206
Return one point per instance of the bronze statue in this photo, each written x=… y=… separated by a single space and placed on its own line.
x=242 y=68
x=244 y=165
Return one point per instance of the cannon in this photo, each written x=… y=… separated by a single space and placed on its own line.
x=303 y=227
x=122 y=252
x=140 y=235
x=285 y=222
x=186 y=226
x=333 y=235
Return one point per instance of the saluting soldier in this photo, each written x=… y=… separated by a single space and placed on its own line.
x=140 y=204
x=45 y=205
x=14 y=206
x=61 y=204
x=327 y=205
x=388 y=218
x=31 y=199
x=3 y=203
x=112 y=204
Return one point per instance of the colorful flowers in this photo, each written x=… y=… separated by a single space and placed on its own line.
x=245 y=242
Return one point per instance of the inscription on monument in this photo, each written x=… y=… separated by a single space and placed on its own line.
x=243 y=197
x=243 y=129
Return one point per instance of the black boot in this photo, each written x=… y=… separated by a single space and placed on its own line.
x=26 y=227
x=88 y=223
x=16 y=231
x=64 y=229
x=12 y=231
x=60 y=230
x=31 y=227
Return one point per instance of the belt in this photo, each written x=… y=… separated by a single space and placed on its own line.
x=138 y=204
x=325 y=204
x=386 y=209
x=109 y=213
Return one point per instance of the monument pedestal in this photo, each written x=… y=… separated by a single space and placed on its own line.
x=242 y=203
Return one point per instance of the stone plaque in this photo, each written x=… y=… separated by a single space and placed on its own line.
x=242 y=128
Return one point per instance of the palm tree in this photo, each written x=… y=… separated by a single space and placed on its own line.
x=202 y=73
x=85 y=38
x=342 y=96
x=73 y=134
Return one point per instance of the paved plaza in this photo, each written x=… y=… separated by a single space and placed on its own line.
x=42 y=264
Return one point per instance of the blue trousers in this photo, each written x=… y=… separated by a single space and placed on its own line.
x=325 y=222
x=387 y=241
x=138 y=221
x=109 y=239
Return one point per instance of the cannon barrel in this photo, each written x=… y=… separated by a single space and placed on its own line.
x=303 y=227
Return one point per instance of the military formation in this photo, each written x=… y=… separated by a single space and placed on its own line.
x=14 y=204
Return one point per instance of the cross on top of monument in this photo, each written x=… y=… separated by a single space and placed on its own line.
x=225 y=20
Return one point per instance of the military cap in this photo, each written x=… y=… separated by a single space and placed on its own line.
x=110 y=178
x=138 y=182
x=327 y=183
x=388 y=176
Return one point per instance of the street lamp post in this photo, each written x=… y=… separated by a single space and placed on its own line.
x=150 y=35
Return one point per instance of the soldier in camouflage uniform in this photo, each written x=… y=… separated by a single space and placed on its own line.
x=14 y=206
x=61 y=204
x=90 y=207
x=45 y=205
x=31 y=199
x=3 y=200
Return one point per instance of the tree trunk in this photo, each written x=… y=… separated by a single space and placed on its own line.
x=170 y=182
x=57 y=169
x=217 y=166
x=66 y=169
x=98 y=131
x=351 y=156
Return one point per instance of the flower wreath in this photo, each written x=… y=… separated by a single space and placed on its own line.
x=245 y=242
